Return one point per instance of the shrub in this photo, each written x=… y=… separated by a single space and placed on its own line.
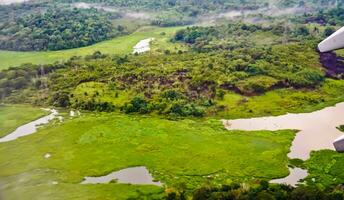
x=137 y=104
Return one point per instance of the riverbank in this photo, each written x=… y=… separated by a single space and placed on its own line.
x=30 y=128
x=316 y=131
x=13 y=116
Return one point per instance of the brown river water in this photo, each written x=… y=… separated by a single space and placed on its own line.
x=317 y=131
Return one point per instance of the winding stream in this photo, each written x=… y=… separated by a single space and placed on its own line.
x=296 y=174
x=29 y=128
x=317 y=130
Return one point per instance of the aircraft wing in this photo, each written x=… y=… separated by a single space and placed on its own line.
x=333 y=42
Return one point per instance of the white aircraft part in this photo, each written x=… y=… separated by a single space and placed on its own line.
x=339 y=144
x=333 y=42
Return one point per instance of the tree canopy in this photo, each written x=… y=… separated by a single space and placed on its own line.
x=56 y=29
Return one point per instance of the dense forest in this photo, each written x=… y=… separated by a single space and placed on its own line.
x=326 y=17
x=185 y=12
x=261 y=190
x=234 y=36
x=12 y=11
x=56 y=29
x=197 y=7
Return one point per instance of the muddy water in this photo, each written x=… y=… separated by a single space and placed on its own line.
x=133 y=175
x=142 y=46
x=29 y=128
x=293 y=178
x=317 y=129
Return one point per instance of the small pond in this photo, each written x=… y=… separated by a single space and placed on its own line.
x=133 y=175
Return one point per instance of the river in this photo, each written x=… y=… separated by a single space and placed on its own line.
x=317 y=131
x=29 y=128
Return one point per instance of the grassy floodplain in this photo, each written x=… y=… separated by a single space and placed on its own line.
x=185 y=153
x=12 y=116
x=119 y=45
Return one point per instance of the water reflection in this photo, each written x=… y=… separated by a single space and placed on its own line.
x=132 y=175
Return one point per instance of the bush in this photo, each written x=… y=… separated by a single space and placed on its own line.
x=61 y=99
x=265 y=191
x=137 y=104
x=256 y=84
x=307 y=78
x=93 y=105
x=172 y=95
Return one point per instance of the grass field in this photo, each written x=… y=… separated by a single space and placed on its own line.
x=325 y=168
x=119 y=45
x=12 y=116
x=185 y=153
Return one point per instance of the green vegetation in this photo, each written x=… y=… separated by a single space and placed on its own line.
x=66 y=191
x=56 y=29
x=334 y=17
x=341 y=128
x=184 y=152
x=324 y=168
x=234 y=36
x=281 y=101
x=229 y=37
x=262 y=191
x=180 y=84
x=193 y=8
x=120 y=45
x=12 y=116
x=8 y=12
x=162 y=109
